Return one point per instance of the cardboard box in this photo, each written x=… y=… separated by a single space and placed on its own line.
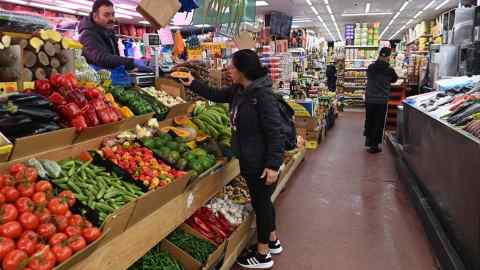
x=117 y=222
x=35 y=144
x=171 y=86
x=180 y=109
x=5 y=148
x=98 y=131
x=187 y=260
x=238 y=236
x=307 y=122
x=131 y=123
x=158 y=13
x=313 y=135
x=153 y=200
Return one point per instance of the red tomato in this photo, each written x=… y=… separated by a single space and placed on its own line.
x=91 y=234
x=61 y=222
x=12 y=229
x=27 y=245
x=87 y=224
x=2 y=199
x=75 y=220
x=5 y=180
x=46 y=230
x=31 y=235
x=73 y=230
x=43 y=259
x=8 y=212
x=77 y=243
x=58 y=206
x=24 y=204
x=29 y=221
x=31 y=174
x=43 y=186
x=39 y=198
x=6 y=245
x=69 y=196
x=44 y=215
x=16 y=168
x=26 y=189
x=11 y=194
x=68 y=214
x=57 y=238
x=14 y=259
x=62 y=252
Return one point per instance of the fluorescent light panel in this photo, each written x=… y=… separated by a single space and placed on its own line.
x=442 y=4
x=366 y=14
x=144 y=22
x=127 y=12
x=326 y=2
x=20 y=2
x=429 y=5
x=40 y=5
x=404 y=6
x=308 y=2
x=329 y=9
x=261 y=3
x=418 y=14
x=314 y=10
x=367 y=8
x=126 y=6
x=202 y=25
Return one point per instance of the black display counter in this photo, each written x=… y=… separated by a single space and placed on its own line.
x=446 y=163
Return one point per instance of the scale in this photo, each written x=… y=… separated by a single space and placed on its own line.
x=150 y=40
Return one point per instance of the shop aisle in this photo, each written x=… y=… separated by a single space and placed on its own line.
x=345 y=209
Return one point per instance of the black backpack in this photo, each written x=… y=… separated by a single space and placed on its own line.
x=288 y=124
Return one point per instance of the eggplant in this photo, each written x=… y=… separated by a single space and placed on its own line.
x=37 y=103
x=37 y=113
x=14 y=120
x=22 y=97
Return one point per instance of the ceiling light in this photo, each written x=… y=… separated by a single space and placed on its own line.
x=66 y=10
x=261 y=3
x=84 y=2
x=429 y=5
x=384 y=31
x=82 y=13
x=119 y=15
x=71 y=5
x=418 y=14
x=301 y=20
x=314 y=10
x=442 y=4
x=396 y=16
x=326 y=2
x=175 y=27
x=309 y=2
x=333 y=18
x=320 y=18
x=366 y=14
x=126 y=6
x=127 y=12
x=202 y=25
x=329 y=9
x=404 y=6
x=409 y=21
x=367 y=8
x=20 y=2
x=144 y=22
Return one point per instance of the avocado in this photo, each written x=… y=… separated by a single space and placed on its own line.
x=174 y=155
x=182 y=164
x=182 y=147
x=165 y=150
x=172 y=145
x=199 y=152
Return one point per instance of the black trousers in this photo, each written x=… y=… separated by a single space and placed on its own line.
x=262 y=205
x=374 y=123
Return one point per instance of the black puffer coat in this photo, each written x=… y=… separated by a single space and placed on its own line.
x=258 y=141
x=100 y=46
x=380 y=77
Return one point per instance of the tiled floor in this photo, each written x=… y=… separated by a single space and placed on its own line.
x=346 y=210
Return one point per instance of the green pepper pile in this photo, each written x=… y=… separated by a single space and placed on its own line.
x=139 y=103
x=93 y=186
x=198 y=248
x=156 y=259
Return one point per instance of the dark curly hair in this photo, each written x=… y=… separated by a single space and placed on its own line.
x=248 y=63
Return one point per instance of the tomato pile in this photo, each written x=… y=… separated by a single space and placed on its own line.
x=37 y=229
x=79 y=107
x=141 y=164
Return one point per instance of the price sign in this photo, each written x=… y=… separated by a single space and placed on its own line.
x=194 y=54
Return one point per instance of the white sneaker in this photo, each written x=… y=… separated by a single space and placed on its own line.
x=275 y=247
x=254 y=260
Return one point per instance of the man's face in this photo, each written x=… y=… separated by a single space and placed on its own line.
x=105 y=17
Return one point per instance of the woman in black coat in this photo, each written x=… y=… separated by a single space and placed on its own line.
x=257 y=141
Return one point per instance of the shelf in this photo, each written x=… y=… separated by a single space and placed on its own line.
x=362 y=46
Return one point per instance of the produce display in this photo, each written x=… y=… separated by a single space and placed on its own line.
x=213 y=226
x=176 y=152
x=96 y=188
x=37 y=229
x=141 y=164
x=198 y=69
x=460 y=109
x=156 y=259
x=78 y=107
x=237 y=191
x=198 y=248
x=163 y=97
x=214 y=121
x=26 y=114
x=140 y=103
x=298 y=109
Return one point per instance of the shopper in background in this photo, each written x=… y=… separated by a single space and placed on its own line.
x=99 y=41
x=331 y=73
x=257 y=141
x=380 y=77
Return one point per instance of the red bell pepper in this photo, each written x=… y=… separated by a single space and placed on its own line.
x=79 y=123
x=43 y=87
x=56 y=79
x=92 y=93
x=70 y=110
x=98 y=104
x=77 y=97
x=91 y=117
x=113 y=114
x=104 y=116
x=56 y=99
x=69 y=80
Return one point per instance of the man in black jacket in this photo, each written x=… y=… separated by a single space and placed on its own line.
x=380 y=77
x=99 y=41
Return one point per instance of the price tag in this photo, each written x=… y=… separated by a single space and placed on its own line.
x=194 y=54
x=190 y=199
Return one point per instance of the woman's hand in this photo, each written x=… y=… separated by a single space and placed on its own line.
x=270 y=176
x=188 y=81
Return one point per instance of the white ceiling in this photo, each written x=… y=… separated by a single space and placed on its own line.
x=300 y=9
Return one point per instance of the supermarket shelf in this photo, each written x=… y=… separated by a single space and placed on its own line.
x=361 y=46
x=355 y=86
x=125 y=249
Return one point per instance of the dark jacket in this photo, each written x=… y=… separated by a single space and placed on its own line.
x=100 y=46
x=257 y=136
x=331 y=74
x=380 y=77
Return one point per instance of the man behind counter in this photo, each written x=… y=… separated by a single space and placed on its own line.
x=99 y=41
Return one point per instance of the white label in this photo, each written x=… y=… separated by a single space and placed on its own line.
x=190 y=198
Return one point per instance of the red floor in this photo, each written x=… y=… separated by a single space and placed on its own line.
x=346 y=209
